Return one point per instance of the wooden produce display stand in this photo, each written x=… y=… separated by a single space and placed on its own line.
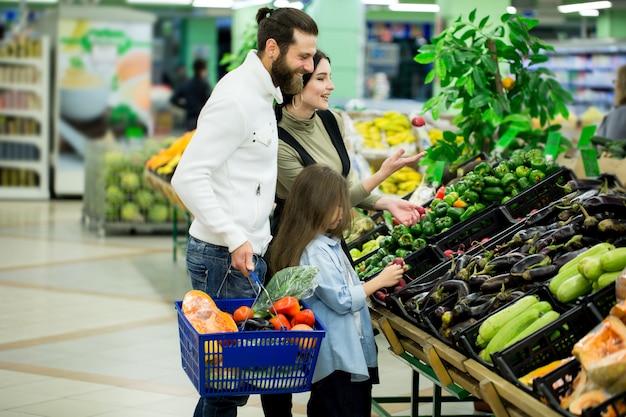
x=452 y=371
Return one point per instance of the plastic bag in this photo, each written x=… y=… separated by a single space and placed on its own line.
x=295 y=281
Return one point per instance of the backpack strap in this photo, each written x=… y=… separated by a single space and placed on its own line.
x=332 y=127
x=286 y=137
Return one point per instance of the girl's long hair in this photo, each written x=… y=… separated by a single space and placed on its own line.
x=309 y=206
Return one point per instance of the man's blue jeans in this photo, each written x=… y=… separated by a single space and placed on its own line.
x=210 y=271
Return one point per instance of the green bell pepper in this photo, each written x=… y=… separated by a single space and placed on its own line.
x=443 y=223
x=483 y=168
x=501 y=170
x=406 y=240
x=491 y=181
x=460 y=187
x=373 y=260
x=451 y=198
x=529 y=155
x=441 y=209
x=538 y=163
x=470 y=196
x=508 y=179
x=475 y=183
x=416 y=230
x=469 y=212
x=388 y=259
x=455 y=213
x=419 y=243
x=401 y=252
x=386 y=242
x=536 y=176
x=493 y=193
x=434 y=203
x=522 y=171
x=515 y=161
x=428 y=228
x=399 y=230
x=523 y=183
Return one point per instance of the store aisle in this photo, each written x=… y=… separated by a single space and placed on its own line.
x=89 y=328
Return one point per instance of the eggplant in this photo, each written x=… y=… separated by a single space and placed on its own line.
x=453 y=331
x=255 y=323
x=528 y=262
x=495 y=283
x=612 y=226
x=455 y=286
x=541 y=273
x=565 y=257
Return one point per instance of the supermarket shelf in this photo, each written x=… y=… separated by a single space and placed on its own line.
x=25 y=167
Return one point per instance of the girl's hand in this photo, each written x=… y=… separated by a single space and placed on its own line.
x=390 y=276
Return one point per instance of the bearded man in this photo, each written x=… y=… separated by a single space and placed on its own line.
x=226 y=177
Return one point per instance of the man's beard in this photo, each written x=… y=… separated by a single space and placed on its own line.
x=284 y=77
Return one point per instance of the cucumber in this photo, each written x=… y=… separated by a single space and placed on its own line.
x=614 y=260
x=600 y=248
x=560 y=278
x=607 y=278
x=573 y=288
x=545 y=319
x=496 y=321
x=512 y=329
x=590 y=267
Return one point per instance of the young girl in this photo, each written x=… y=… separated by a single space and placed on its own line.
x=317 y=210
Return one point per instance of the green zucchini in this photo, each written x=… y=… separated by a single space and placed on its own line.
x=573 y=288
x=607 y=278
x=512 y=329
x=545 y=319
x=600 y=248
x=614 y=260
x=590 y=267
x=489 y=328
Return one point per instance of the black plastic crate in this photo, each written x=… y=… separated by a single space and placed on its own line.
x=558 y=384
x=420 y=262
x=380 y=229
x=540 y=194
x=486 y=224
x=467 y=338
x=602 y=300
x=433 y=323
x=554 y=342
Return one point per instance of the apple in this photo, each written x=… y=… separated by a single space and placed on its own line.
x=418 y=121
x=398 y=261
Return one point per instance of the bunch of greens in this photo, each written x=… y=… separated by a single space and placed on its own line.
x=294 y=281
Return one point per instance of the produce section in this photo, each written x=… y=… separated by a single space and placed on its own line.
x=499 y=315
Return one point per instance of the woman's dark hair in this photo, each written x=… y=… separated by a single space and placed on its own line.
x=316 y=193
x=279 y=24
x=278 y=108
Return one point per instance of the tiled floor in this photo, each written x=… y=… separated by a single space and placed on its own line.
x=88 y=326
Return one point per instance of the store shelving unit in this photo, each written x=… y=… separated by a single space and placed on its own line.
x=24 y=123
x=586 y=68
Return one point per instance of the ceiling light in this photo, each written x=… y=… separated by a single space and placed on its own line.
x=242 y=4
x=414 y=7
x=511 y=10
x=379 y=2
x=591 y=12
x=286 y=3
x=161 y=2
x=577 y=7
x=217 y=4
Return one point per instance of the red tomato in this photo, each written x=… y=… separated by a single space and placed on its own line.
x=243 y=313
x=289 y=306
x=304 y=316
x=280 y=322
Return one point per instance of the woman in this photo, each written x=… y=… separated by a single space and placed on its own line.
x=317 y=211
x=301 y=116
x=613 y=125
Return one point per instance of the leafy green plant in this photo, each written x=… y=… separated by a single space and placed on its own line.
x=468 y=58
x=249 y=42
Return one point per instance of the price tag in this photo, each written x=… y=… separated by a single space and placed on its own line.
x=585 y=136
x=507 y=138
x=590 y=162
x=552 y=145
x=437 y=176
